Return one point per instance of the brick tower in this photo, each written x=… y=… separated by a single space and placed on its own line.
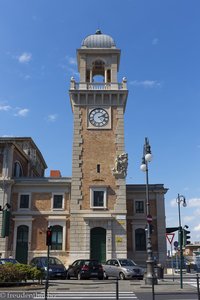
x=98 y=191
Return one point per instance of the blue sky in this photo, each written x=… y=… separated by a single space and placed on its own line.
x=160 y=57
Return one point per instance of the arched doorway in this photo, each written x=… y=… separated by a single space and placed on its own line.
x=98 y=244
x=21 y=254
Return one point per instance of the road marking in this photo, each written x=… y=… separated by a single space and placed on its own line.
x=192 y=283
x=86 y=295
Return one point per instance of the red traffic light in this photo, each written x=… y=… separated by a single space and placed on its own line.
x=49 y=237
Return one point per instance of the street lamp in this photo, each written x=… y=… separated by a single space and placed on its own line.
x=180 y=199
x=147 y=157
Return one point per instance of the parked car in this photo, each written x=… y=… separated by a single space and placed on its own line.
x=8 y=260
x=56 y=267
x=85 y=269
x=123 y=269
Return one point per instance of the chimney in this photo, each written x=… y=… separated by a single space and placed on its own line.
x=55 y=173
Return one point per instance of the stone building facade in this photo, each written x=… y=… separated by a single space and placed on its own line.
x=94 y=213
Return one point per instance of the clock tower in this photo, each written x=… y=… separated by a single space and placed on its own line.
x=98 y=190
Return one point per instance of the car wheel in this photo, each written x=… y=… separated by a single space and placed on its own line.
x=104 y=275
x=121 y=276
x=68 y=276
x=79 y=276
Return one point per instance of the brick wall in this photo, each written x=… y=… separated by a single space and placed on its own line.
x=98 y=148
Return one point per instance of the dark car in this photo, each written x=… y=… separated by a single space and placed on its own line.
x=4 y=261
x=56 y=267
x=85 y=269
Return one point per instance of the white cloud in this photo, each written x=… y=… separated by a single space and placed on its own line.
x=25 y=57
x=52 y=118
x=71 y=60
x=22 y=112
x=5 y=107
x=193 y=202
x=197 y=212
x=197 y=228
x=155 y=41
x=173 y=203
x=146 y=83
x=187 y=219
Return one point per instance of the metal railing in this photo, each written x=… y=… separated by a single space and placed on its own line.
x=98 y=86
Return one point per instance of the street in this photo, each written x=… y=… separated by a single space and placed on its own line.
x=94 y=295
x=67 y=295
x=166 y=289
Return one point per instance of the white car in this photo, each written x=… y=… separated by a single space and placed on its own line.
x=123 y=269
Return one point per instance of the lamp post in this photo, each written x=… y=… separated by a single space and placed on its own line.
x=147 y=157
x=180 y=199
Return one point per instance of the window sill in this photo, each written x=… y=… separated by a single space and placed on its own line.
x=98 y=208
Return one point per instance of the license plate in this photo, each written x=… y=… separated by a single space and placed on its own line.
x=58 y=274
x=94 y=273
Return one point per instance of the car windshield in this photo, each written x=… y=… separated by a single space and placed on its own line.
x=126 y=262
x=91 y=263
x=8 y=260
x=52 y=261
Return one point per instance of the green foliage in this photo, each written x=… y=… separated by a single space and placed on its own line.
x=9 y=273
x=19 y=272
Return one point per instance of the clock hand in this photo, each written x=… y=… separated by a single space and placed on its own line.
x=102 y=116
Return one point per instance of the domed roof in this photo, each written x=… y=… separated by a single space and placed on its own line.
x=98 y=40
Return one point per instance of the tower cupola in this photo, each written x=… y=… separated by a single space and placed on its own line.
x=98 y=40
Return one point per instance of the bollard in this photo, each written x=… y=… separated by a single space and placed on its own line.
x=117 y=289
x=198 y=287
x=153 y=285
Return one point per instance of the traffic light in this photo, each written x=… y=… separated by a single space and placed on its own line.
x=49 y=236
x=180 y=238
x=171 y=229
x=5 y=223
x=186 y=237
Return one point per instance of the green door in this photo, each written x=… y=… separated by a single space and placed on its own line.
x=98 y=244
x=21 y=254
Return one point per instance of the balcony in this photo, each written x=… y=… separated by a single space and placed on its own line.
x=98 y=86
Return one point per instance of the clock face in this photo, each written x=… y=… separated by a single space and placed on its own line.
x=98 y=117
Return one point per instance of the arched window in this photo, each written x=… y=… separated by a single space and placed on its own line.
x=140 y=239
x=57 y=237
x=98 y=71
x=17 y=170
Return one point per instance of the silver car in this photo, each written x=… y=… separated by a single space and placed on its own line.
x=123 y=269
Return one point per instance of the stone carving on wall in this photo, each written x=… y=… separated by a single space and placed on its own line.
x=121 y=164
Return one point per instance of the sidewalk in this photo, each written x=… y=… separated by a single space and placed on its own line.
x=165 y=286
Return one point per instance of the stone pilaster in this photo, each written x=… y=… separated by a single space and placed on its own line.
x=76 y=195
x=161 y=225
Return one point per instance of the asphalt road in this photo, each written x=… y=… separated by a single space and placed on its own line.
x=167 y=296
x=106 y=289
x=68 y=295
x=94 y=296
